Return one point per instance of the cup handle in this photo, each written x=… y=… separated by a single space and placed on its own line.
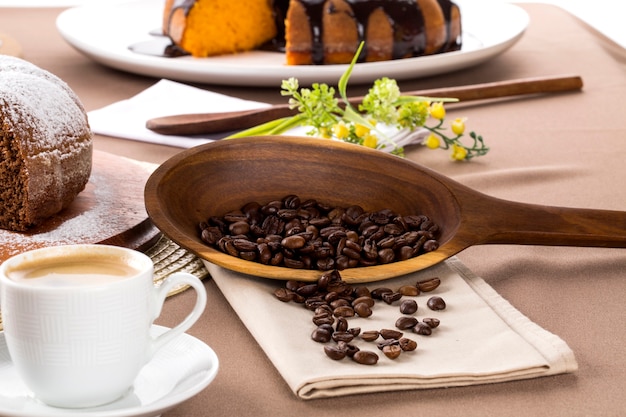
x=175 y=280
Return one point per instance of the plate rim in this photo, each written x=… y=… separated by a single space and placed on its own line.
x=222 y=70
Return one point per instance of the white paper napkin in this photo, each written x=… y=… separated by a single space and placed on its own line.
x=481 y=339
x=127 y=119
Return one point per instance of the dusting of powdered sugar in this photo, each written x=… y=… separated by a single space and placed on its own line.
x=100 y=220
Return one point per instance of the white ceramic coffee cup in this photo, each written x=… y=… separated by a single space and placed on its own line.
x=81 y=344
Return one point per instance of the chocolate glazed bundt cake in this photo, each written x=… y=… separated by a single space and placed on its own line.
x=315 y=31
x=46 y=145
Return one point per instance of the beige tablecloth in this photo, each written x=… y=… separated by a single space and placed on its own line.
x=566 y=150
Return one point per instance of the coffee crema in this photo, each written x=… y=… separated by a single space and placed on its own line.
x=72 y=271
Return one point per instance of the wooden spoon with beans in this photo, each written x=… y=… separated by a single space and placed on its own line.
x=213 y=179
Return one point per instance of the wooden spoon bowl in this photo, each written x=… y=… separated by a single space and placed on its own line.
x=213 y=179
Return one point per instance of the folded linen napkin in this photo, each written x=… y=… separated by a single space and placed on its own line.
x=481 y=338
x=127 y=119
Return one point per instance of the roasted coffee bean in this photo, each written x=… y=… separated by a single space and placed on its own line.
x=343 y=311
x=349 y=348
x=342 y=325
x=307 y=290
x=391 y=334
x=354 y=237
x=406 y=322
x=293 y=242
x=408 y=307
x=386 y=255
x=364 y=299
x=370 y=335
x=436 y=303
x=392 y=351
x=391 y=297
x=355 y=331
x=430 y=245
x=362 y=291
x=323 y=318
x=423 y=329
x=407 y=345
x=387 y=342
x=377 y=293
x=342 y=336
x=321 y=335
x=428 y=285
x=409 y=290
x=284 y=294
x=211 y=235
x=431 y=322
x=365 y=357
x=335 y=352
x=363 y=309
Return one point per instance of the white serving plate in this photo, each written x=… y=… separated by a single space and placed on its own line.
x=104 y=32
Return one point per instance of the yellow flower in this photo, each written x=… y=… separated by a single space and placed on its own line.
x=458 y=126
x=340 y=130
x=437 y=110
x=325 y=133
x=361 y=130
x=432 y=141
x=458 y=153
x=370 y=141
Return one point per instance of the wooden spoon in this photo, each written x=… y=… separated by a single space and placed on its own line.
x=202 y=123
x=213 y=179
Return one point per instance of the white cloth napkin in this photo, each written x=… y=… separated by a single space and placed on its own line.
x=126 y=119
x=481 y=339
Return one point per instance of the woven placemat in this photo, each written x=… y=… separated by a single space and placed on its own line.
x=168 y=258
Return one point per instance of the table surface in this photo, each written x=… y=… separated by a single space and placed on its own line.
x=567 y=150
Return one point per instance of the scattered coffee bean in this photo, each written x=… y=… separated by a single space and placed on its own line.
x=406 y=322
x=428 y=285
x=335 y=352
x=333 y=302
x=321 y=335
x=407 y=345
x=363 y=310
x=431 y=322
x=392 y=351
x=436 y=303
x=390 y=334
x=370 y=335
x=377 y=293
x=365 y=357
x=408 y=307
x=391 y=297
x=409 y=290
x=423 y=329
x=343 y=336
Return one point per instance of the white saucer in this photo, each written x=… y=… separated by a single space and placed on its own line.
x=177 y=372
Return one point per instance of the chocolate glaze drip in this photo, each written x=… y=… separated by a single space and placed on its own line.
x=452 y=44
x=405 y=16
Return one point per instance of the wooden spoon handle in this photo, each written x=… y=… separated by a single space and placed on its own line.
x=202 y=123
x=520 y=223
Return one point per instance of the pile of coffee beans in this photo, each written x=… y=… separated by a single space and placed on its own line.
x=333 y=302
x=311 y=235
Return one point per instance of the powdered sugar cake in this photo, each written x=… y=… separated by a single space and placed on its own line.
x=110 y=210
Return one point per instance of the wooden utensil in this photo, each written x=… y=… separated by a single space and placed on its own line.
x=202 y=123
x=222 y=176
